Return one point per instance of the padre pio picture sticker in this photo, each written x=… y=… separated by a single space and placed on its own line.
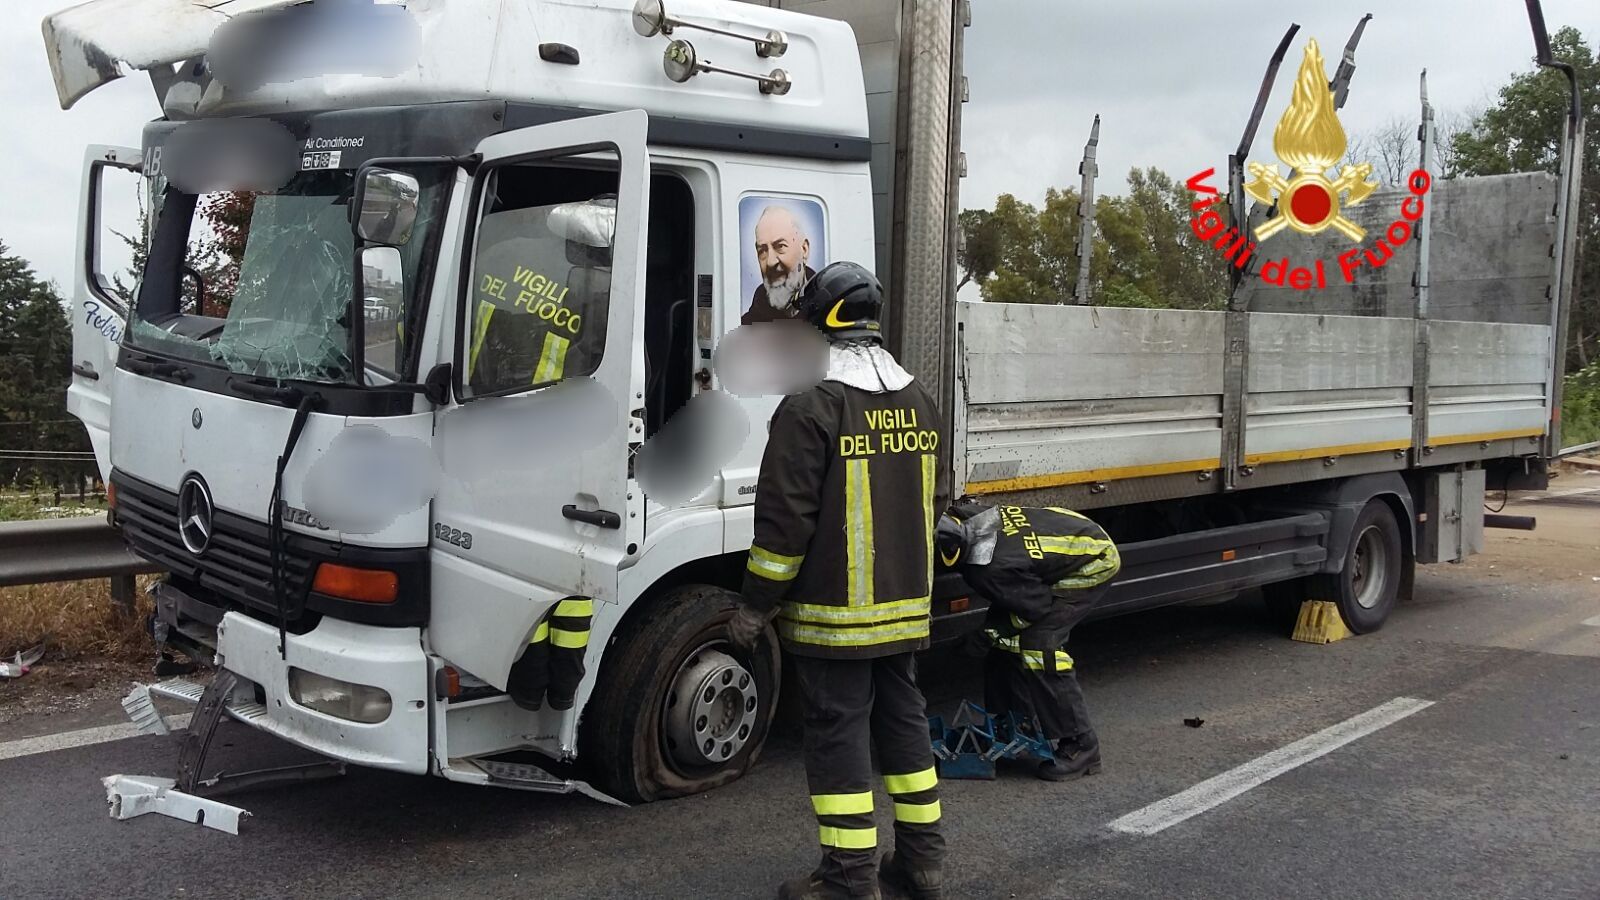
x=783 y=242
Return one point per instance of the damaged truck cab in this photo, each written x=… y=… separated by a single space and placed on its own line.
x=390 y=426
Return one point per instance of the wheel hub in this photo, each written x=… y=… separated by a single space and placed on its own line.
x=1369 y=569
x=710 y=710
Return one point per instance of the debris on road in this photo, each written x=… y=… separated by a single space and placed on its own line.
x=1194 y=721
x=22 y=663
x=131 y=796
x=143 y=712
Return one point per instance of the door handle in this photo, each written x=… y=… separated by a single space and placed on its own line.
x=86 y=371
x=601 y=517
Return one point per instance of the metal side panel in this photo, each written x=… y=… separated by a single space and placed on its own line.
x=1063 y=395
x=1487 y=382
x=1322 y=386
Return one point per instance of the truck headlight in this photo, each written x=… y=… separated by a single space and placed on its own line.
x=340 y=699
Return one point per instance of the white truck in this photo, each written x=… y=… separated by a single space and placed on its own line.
x=1317 y=455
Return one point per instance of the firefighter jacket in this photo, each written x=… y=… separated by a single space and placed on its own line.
x=849 y=494
x=1038 y=552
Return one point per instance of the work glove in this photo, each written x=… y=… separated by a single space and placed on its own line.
x=747 y=625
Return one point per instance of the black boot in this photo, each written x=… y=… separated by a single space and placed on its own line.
x=916 y=882
x=812 y=887
x=1075 y=758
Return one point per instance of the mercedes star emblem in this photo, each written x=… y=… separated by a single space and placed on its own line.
x=195 y=418
x=194 y=514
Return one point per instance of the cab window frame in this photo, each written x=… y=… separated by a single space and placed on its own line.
x=580 y=155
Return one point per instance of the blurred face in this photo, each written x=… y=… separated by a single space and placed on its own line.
x=782 y=250
x=766 y=358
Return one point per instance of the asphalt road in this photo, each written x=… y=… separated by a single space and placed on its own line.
x=1492 y=791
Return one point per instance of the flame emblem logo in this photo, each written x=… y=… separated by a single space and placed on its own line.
x=1310 y=140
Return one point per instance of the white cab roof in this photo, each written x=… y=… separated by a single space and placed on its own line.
x=489 y=49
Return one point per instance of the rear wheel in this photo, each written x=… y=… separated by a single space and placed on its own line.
x=678 y=710
x=1368 y=585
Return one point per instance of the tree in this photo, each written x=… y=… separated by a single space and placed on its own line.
x=35 y=369
x=1522 y=133
x=1145 y=253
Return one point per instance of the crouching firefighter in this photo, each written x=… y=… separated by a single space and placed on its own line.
x=1042 y=571
x=842 y=558
x=552 y=664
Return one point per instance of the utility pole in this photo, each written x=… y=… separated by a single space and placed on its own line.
x=1088 y=169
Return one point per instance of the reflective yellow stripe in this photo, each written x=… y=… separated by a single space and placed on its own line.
x=930 y=463
x=819 y=614
x=1094 y=573
x=575 y=606
x=848 y=838
x=869 y=636
x=1068 y=512
x=540 y=633
x=1073 y=545
x=917 y=813
x=552 y=360
x=842 y=804
x=925 y=780
x=1033 y=659
x=572 y=640
x=1018 y=621
x=773 y=566
x=480 y=328
x=858 y=532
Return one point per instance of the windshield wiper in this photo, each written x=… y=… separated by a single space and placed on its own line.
x=160 y=369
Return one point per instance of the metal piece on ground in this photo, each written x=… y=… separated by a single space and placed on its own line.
x=203 y=727
x=22 y=663
x=234 y=782
x=134 y=795
x=1516 y=523
x=530 y=777
x=1320 y=623
x=143 y=712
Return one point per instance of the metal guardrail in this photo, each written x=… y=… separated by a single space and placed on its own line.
x=44 y=551
x=1580 y=448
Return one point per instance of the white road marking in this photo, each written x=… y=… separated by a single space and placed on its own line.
x=1216 y=791
x=1592 y=623
x=66 y=740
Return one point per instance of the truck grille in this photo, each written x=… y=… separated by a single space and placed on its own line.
x=236 y=566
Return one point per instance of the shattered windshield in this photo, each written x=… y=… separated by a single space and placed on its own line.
x=262 y=283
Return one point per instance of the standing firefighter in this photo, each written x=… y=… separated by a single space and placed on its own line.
x=843 y=560
x=1042 y=571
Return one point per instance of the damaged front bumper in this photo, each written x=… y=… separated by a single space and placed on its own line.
x=387 y=659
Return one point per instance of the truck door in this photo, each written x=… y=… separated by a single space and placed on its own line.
x=98 y=313
x=536 y=501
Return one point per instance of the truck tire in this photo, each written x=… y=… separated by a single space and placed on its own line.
x=1368 y=585
x=677 y=710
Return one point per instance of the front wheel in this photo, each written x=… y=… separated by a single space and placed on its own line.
x=678 y=710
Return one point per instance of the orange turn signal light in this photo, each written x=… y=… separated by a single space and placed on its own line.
x=960 y=604
x=111 y=495
x=360 y=585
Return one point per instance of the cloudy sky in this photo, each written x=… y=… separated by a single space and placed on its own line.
x=1172 y=81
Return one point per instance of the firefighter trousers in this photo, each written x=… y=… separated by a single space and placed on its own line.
x=850 y=706
x=552 y=665
x=1031 y=674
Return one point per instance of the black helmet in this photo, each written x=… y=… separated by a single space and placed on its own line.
x=844 y=301
x=951 y=537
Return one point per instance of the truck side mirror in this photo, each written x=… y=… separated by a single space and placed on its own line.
x=386 y=205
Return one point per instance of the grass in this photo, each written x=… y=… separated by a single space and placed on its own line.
x=77 y=620
x=26 y=505
x=1580 y=406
